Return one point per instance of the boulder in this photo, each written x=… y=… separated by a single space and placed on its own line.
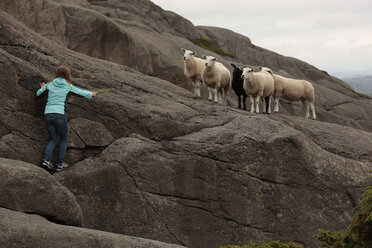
x=29 y=189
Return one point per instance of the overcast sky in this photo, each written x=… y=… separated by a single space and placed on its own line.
x=333 y=35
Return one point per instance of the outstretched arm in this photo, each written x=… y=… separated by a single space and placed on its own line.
x=83 y=93
x=42 y=89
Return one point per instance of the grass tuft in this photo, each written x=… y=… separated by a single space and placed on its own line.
x=211 y=46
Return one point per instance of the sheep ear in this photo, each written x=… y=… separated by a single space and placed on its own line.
x=194 y=53
x=234 y=66
x=214 y=59
x=183 y=50
x=204 y=57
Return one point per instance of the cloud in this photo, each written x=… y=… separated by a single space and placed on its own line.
x=333 y=35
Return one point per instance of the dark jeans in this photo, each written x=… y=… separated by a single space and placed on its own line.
x=57 y=127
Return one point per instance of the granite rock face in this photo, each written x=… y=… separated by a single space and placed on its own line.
x=29 y=230
x=226 y=184
x=145 y=37
x=150 y=159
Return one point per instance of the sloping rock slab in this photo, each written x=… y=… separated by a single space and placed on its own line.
x=252 y=178
x=91 y=132
x=24 y=230
x=27 y=188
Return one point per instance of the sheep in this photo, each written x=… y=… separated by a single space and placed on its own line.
x=293 y=90
x=193 y=69
x=217 y=78
x=258 y=85
x=237 y=85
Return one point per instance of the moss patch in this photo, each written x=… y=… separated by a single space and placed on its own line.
x=109 y=15
x=359 y=233
x=211 y=46
x=246 y=169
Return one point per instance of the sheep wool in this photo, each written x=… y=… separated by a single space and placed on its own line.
x=193 y=69
x=217 y=78
x=258 y=85
x=294 y=90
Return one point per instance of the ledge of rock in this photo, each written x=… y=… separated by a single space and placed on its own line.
x=25 y=230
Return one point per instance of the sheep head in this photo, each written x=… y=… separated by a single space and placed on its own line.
x=187 y=54
x=237 y=72
x=247 y=73
x=209 y=60
x=266 y=69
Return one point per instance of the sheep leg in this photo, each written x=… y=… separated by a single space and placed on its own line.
x=313 y=110
x=224 y=97
x=257 y=104
x=268 y=104
x=194 y=86
x=244 y=100
x=215 y=96
x=306 y=107
x=219 y=97
x=239 y=105
x=252 y=104
x=264 y=105
x=276 y=104
x=197 y=91
x=210 y=94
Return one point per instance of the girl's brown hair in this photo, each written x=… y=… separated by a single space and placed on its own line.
x=64 y=72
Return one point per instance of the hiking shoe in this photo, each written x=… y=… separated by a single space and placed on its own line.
x=47 y=164
x=60 y=167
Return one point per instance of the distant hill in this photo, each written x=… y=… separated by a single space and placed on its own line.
x=361 y=84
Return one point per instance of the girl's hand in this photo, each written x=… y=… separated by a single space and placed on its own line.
x=94 y=94
x=42 y=85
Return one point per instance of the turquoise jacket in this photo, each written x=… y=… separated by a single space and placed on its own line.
x=58 y=90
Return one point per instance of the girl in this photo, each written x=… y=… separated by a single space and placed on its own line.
x=55 y=115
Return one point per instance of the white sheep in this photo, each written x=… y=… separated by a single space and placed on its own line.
x=193 y=68
x=217 y=78
x=293 y=90
x=258 y=85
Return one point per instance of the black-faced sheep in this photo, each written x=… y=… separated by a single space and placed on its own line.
x=193 y=68
x=217 y=78
x=293 y=90
x=237 y=85
x=258 y=85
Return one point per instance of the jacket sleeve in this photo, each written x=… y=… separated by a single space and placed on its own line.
x=80 y=92
x=42 y=90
